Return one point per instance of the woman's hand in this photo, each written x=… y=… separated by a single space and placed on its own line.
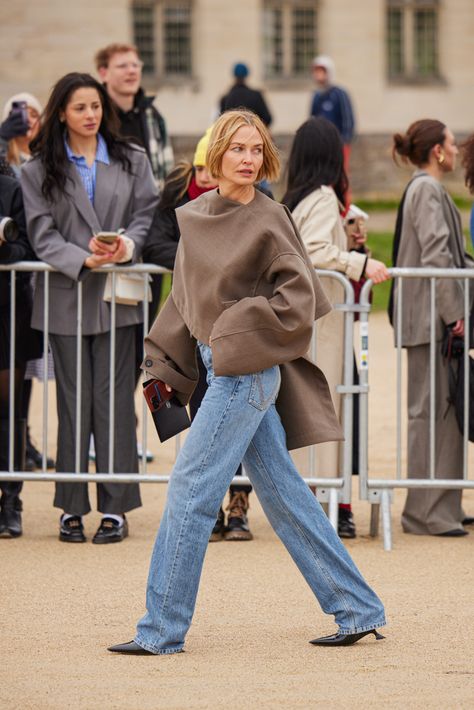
x=108 y=253
x=376 y=270
x=458 y=328
x=168 y=387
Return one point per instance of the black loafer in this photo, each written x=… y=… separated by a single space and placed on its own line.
x=131 y=648
x=110 y=530
x=345 y=639
x=72 y=529
x=468 y=520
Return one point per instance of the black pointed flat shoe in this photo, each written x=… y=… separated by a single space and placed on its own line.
x=468 y=520
x=131 y=648
x=345 y=639
x=457 y=532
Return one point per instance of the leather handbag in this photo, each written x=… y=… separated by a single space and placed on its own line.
x=129 y=288
x=169 y=415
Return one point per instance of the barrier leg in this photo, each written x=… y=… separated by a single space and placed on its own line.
x=386 y=523
x=374 y=519
x=333 y=507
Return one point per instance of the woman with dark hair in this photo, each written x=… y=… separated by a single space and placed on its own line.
x=85 y=179
x=430 y=236
x=315 y=193
x=26 y=347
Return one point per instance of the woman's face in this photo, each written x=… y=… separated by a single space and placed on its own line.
x=203 y=178
x=33 y=123
x=243 y=158
x=450 y=151
x=83 y=113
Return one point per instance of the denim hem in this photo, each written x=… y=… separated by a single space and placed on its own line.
x=158 y=651
x=360 y=629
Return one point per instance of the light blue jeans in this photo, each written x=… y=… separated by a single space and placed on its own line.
x=238 y=421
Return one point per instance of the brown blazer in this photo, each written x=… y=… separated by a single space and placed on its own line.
x=244 y=284
x=431 y=237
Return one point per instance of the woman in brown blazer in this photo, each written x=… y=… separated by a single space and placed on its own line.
x=245 y=293
x=431 y=236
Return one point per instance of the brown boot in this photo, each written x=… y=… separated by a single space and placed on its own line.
x=237 y=523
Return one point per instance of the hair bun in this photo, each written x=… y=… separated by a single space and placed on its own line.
x=401 y=144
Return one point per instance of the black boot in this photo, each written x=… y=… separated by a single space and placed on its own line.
x=10 y=502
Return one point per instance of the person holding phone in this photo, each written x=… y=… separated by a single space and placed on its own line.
x=316 y=189
x=85 y=179
x=20 y=125
x=244 y=293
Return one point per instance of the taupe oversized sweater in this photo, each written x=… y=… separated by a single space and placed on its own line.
x=243 y=284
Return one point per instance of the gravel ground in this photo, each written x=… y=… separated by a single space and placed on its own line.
x=248 y=646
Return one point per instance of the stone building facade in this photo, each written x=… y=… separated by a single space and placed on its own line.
x=399 y=59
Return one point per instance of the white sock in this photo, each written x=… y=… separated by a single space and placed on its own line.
x=118 y=518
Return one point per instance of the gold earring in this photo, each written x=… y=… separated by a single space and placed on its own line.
x=441 y=159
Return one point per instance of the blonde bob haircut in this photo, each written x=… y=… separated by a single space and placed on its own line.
x=221 y=137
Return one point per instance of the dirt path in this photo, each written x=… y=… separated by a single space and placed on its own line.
x=248 y=646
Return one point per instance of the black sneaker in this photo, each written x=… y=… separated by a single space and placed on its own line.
x=218 y=530
x=72 y=529
x=237 y=523
x=346 y=527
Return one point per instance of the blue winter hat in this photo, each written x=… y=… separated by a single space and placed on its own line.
x=241 y=70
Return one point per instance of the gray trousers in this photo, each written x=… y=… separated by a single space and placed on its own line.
x=429 y=512
x=115 y=498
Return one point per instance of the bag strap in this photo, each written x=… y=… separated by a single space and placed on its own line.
x=397 y=236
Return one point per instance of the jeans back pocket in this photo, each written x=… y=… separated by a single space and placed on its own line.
x=264 y=388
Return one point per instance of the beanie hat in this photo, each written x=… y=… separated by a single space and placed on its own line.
x=241 y=70
x=201 y=148
x=327 y=63
x=31 y=101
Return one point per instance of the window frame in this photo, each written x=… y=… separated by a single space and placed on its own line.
x=410 y=73
x=288 y=78
x=159 y=76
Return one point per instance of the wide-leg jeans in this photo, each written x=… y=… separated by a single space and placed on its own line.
x=238 y=421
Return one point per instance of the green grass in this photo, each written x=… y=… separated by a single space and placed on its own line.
x=462 y=203
x=380 y=244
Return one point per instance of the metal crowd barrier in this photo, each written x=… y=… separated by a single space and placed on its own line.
x=378 y=491
x=329 y=490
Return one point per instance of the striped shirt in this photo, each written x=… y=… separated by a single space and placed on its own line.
x=86 y=173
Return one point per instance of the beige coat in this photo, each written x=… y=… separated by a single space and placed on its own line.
x=319 y=222
x=243 y=283
x=431 y=237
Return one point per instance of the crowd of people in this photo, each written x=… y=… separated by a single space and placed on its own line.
x=99 y=185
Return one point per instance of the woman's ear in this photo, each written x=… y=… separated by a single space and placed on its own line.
x=438 y=152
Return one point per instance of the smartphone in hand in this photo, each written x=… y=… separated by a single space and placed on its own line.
x=156 y=394
x=107 y=237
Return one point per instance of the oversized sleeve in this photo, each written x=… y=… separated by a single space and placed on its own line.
x=48 y=243
x=170 y=352
x=435 y=242
x=269 y=330
x=317 y=231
